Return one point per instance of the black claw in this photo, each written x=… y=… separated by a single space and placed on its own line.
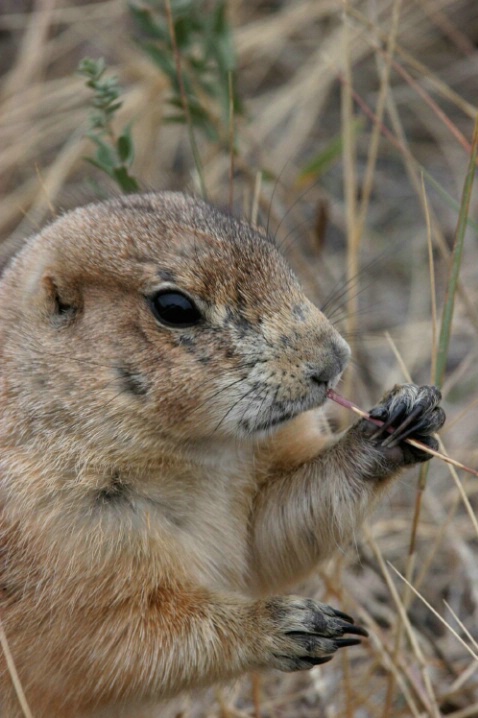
x=429 y=423
x=344 y=616
x=392 y=441
x=382 y=430
x=410 y=415
x=394 y=418
x=378 y=412
x=357 y=630
x=345 y=642
x=377 y=434
x=404 y=429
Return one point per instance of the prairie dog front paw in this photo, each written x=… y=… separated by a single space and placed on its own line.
x=303 y=633
x=406 y=411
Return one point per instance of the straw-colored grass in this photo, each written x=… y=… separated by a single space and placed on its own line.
x=376 y=228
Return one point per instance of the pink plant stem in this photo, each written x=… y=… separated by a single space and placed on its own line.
x=413 y=442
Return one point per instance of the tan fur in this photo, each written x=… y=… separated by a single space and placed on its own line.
x=148 y=508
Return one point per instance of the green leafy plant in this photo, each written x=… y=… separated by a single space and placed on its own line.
x=202 y=37
x=114 y=154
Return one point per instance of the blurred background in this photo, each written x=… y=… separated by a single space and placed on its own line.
x=344 y=127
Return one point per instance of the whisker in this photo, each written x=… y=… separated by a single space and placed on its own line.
x=231 y=408
x=340 y=312
x=344 y=284
x=209 y=398
x=298 y=199
x=282 y=245
x=245 y=365
x=276 y=184
x=262 y=403
x=41 y=351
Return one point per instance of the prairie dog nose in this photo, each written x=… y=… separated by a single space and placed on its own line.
x=331 y=365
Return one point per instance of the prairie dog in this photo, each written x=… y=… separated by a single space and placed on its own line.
x=162 y=474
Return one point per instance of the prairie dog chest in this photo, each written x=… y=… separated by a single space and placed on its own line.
x=206 y=513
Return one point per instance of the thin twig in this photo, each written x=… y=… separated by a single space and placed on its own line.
x=413 y=442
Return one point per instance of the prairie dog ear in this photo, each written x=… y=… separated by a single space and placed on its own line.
x=56 y=299
x=62 y=301
x=48 y=287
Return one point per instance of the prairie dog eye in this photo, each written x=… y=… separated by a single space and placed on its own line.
x=174 y=309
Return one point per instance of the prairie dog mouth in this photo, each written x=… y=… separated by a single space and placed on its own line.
x=275 y=421
x=277 y=415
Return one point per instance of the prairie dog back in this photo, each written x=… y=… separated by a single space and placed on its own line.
x=162 y=471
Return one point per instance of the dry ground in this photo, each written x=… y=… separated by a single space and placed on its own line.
x=306 y=69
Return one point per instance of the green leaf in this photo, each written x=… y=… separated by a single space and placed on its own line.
x=113 y=156
x=220 y=43
x=183 y=7
x=183 y=31
x=93 y=69
x=124 y=146
x=162 y=58
x=146 y=23
x=105 y=155
x=175 y=120
x=95 y=163
x=125 y=181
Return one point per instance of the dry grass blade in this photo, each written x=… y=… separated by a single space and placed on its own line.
x=435 y=613
x=429 y=699
x=13 y=674
x=350 y=170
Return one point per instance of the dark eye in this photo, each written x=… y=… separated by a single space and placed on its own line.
x=175 y=309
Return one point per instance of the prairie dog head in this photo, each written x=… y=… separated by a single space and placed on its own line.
x=156 y=319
